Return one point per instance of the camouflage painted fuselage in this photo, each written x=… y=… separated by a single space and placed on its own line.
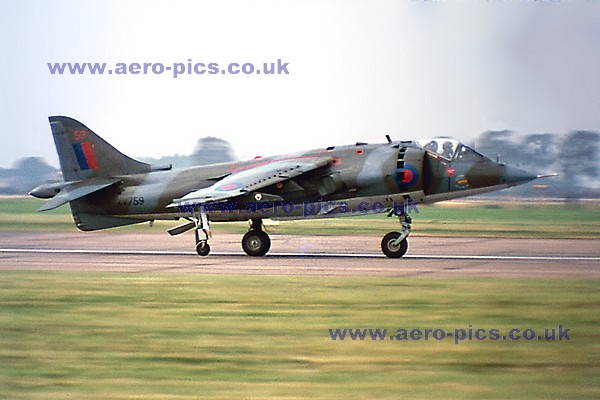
x=355 y=180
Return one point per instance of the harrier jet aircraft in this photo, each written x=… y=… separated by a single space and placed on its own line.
x=107 y=189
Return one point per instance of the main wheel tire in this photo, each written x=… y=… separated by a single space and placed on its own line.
x=393 y=250
x=256 y=243
x=202 y=248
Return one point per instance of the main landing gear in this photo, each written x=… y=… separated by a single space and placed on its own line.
x=256 y=242
x=395 y=244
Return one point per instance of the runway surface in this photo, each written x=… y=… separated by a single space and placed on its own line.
x=156 y=252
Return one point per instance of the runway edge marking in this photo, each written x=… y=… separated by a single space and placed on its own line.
x=289 y=254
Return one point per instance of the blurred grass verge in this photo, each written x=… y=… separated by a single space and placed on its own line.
x=122 y=336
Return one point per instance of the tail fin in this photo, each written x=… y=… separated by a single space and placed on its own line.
x=85 y=155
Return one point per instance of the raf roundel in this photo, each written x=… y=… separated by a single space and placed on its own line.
x=230 y=186
x=406 y=177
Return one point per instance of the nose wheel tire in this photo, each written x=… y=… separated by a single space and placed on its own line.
x=202 y=248
x=256 y=243
x=393 y=248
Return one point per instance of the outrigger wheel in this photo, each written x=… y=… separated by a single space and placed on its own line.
x=256 y=242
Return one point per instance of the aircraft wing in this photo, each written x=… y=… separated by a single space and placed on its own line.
x=77 y=190
x=248 y=180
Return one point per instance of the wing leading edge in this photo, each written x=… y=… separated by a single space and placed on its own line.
x=243 y=182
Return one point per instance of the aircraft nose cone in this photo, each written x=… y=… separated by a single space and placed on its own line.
x=515 y=176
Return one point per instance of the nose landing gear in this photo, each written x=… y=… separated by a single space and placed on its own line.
x=395 y=244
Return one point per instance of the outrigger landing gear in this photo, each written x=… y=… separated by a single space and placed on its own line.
x=395 y=244
x=256 y=242
x=202 y=231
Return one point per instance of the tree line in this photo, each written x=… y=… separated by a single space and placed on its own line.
x=575 y=156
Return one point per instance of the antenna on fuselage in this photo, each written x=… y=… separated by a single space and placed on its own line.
x=389 y=139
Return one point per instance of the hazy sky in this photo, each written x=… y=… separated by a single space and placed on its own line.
x=357 y=70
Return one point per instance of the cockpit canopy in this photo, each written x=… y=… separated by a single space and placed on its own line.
x=443 y=147
x=449 y=149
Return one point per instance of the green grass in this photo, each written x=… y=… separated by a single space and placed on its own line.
x=20 y=213
x=499 y=219
x=118 y=336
